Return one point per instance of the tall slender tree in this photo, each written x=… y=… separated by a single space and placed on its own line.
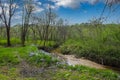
x=7 y=8
x=27 y=10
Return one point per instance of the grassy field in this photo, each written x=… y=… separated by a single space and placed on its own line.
x=17 y=42
x=17 y=63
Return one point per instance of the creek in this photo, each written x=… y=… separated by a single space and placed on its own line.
x=72 y=60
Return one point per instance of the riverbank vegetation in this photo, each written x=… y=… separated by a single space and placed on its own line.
x=28 y=63
x=100 y=44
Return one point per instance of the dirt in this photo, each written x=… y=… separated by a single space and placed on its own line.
x=72 y=60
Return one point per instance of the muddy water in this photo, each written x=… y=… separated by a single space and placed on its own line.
x=72 y=60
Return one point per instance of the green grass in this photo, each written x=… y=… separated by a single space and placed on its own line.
x=60 y=72
x=14 y=41
x=40 y=43
x=84 y=73
x=13 y=55
x=8 y=56
x=48 y=43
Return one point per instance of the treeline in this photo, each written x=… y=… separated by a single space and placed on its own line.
x=36 y=34
x=45 y=26
x=98 y=43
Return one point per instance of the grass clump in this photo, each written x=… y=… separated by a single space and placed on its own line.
x=8 y=57
x=42 y=60
x=13 y=55
x=84 y=73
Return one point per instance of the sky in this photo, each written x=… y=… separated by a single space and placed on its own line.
x=78 y=11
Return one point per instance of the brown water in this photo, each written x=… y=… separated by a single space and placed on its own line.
x=72 y=60
x=81 y=61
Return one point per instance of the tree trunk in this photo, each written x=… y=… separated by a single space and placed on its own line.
x=23 y=39
x=8 y=36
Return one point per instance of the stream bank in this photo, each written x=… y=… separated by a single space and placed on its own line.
x=72 y=60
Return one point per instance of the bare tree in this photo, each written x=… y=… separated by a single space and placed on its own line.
x=1 y=30
x=49 y=21
x=27 y=10
x=47 y=25
x=43 y=26
x=34 y=27
x=8 y=8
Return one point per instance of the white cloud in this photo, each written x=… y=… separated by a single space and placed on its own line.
x=38 y=9
x=46 y=6
x=39 y=3
x=6 y=8
x=76 y=3
x=113 y=1
x=92 y=1
x=37 y=6
x=72 y=3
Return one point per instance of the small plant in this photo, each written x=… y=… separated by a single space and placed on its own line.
x=42 y=60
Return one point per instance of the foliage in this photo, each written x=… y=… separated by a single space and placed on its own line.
x=100 y=44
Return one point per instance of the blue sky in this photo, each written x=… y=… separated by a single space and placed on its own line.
x=86 y=11
x=79 y=11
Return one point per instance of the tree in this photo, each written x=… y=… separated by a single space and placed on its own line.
x=8 y=8
x=27 y=10
x=33 y=27
x=48 y=22
x=1 y=30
